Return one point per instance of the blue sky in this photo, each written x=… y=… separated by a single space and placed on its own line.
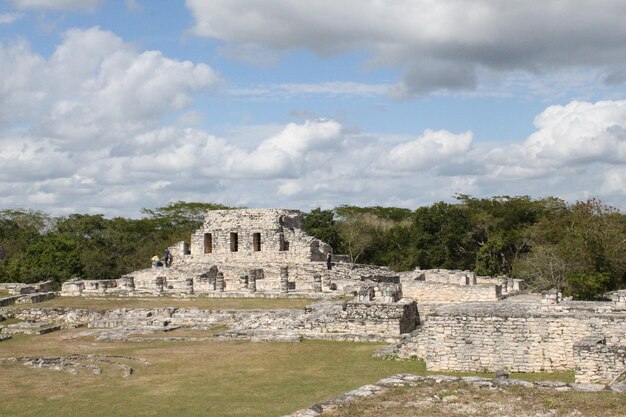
x=108 y=106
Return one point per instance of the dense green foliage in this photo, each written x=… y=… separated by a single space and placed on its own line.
x=35 y=246
x=579 y=248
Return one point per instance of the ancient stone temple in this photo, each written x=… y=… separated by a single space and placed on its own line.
x=256 y=235
x=244 y=250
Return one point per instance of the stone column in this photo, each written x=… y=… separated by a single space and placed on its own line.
x=127 y=282
x=326 y=281
x=472 y=278
x=284 y=279
x=463 y=280
x=317 y=282
x=189 y=285
x=219 y=282
x=509 y=284
x=503 y=281
x=252 y=280
x=159 y=283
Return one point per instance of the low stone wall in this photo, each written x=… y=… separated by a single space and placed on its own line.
x=380 y=321
x=35 y=297
x=192 y=317
x=402 y=316
x=597 y=363
x=18 y=288
x=436 y=291
x=513 y=336
x=69 y=317
x=6 y=301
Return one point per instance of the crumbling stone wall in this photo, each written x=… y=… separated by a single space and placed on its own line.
x=16 y=288
x=517 y=337
x=444 y=285
x=69 y=317
x=402 y=315
x=381 y=321
x=436 y=291
x=597 y=362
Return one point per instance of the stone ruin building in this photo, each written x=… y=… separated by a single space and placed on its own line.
x=243 y=251
x=454 y=320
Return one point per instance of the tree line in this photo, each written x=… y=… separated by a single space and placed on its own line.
x=579 y=248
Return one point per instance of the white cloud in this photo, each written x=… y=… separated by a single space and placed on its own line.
x=614 y=182
x=442 y=44
x=30 y=160
x=83 y=5
x=8 y=18
x=290 y=152
x=580 y=132
x=94 y=86
x=429 y=150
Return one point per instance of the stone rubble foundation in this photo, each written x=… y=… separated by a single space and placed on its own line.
x=72 y=363
x=410 y=380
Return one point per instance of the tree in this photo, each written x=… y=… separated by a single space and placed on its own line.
x=589 y=240
x=54 y=257
x=18 y=230
x=358 y=234
x=545 y=268
x=441 y=237
x=321 y=225
x=500 y=226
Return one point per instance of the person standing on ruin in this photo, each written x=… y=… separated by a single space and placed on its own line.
x=329 y=262
x=167 y=257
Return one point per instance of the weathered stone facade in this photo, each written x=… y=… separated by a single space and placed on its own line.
x=450 y=286
x=597 y=362
x=26 y=293
x=518 y=337
x=256 y=235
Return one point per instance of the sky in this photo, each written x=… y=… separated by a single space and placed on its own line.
x=111 y=106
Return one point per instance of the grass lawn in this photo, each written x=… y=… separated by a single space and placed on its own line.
x=110 y=303
x=188 y=378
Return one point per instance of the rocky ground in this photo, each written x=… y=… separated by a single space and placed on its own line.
x=430 y=396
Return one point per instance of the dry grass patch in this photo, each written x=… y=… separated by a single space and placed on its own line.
x=160 y=302
x=431 y=399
